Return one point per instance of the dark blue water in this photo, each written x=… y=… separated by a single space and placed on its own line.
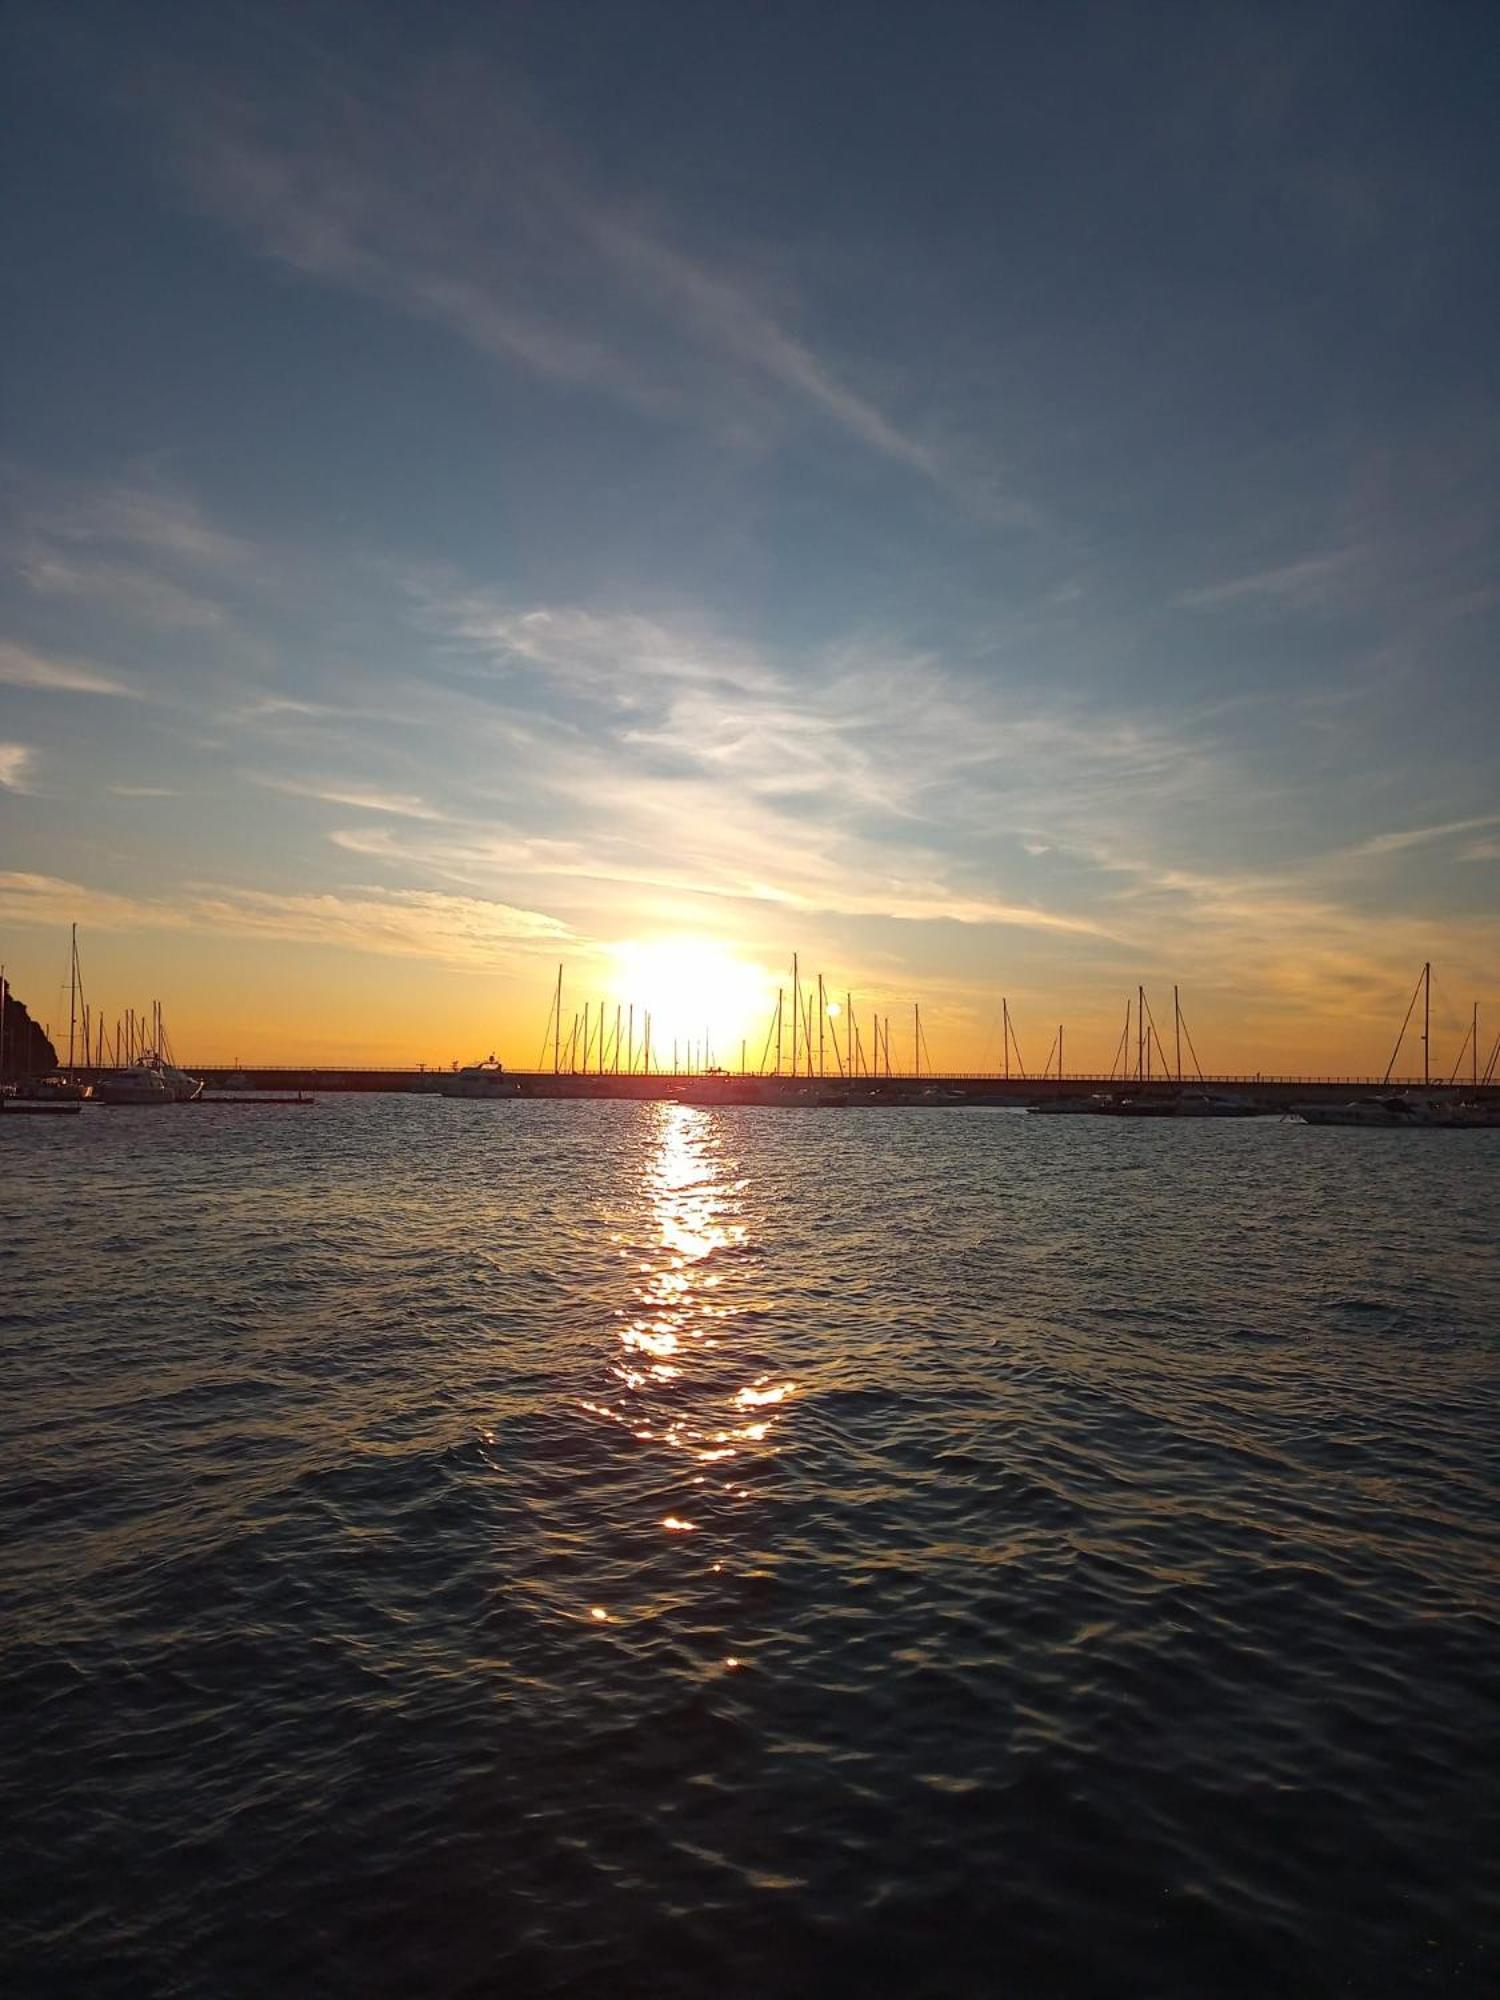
x=526 y=1548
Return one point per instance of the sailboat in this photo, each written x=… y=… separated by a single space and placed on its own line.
x=31 y=1094
x=1411 y=1113
x=61 y=1091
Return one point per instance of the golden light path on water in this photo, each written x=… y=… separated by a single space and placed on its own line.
x=679 y=1389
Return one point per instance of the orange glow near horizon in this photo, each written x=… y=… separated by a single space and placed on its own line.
x=235 y=1003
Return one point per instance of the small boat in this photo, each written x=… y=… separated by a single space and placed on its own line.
x=43 y=1095
x=1410 y=1114
x=49 y=1092
x=482 y=1079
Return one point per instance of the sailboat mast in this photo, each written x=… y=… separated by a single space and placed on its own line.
x=1059 y=1052
x=1177 y=1025
x=822 y=1019
x=796 y=1008
x=916 y=1038
x=1005 y=1035
x=1427 y=1022
x=72 y=996
x=1140 y=1034
x=557 y=1026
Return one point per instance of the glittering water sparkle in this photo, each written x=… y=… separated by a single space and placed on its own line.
x=569 y=1548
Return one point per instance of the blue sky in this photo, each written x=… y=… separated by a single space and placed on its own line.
x=995 y=499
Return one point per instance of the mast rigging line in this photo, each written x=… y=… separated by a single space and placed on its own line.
x=1471 y=1034
x=1422 y=976
x=1187 y=1031
x=1122 y=1050
x=1152 y=1035
x=547 y=1037
x=773 y=1025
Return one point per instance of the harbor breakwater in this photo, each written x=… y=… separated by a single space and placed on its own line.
x=1271 y=1093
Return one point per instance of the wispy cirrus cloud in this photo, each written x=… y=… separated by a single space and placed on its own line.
x=1311 y=582
x=867 y=781
x=23 y=667
x=479 y=221
x=707 y=857
x=15 y=762
x=624 y=657
x=52 y=520
x=152 y=519
x=862 y=729
x=1402 y=839
x=404 y=805
x=137 y=555
x=859 y=781
x=461 y=931
x=135 y=592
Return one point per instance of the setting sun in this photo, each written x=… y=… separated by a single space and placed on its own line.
x=692 y=988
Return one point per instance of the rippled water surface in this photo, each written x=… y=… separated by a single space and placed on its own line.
x=531 y=1548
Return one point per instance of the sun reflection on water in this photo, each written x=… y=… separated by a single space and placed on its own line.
x=679 y=1382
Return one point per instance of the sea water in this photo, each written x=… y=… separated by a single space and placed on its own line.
x=572 y=1547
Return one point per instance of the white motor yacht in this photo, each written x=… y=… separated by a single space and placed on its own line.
x=482 y=1079
x=140 y=1083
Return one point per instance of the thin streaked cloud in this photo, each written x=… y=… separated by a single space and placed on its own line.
x=1403 y=839
x=1312 y=581
x=23 y=667
x=403 y=805
x=132 y=593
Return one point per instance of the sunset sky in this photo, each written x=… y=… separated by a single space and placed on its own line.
x=996 y=500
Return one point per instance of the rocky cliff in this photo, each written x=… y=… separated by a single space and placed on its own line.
x=24 y=1049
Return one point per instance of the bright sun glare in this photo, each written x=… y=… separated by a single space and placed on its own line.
x=690 y=986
